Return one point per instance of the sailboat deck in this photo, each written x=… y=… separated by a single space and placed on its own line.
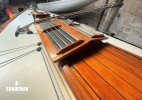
x=104 y=72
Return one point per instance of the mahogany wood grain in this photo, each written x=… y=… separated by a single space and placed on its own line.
x=97 y=36
x=53 y=28
x=123 y=57
x=79 y=85
x=40 y=14
x=4 y=25
x=101 y=87
x=84 y=83
x=125 y=89
x=72 y=87
x=135 y=71
x=85 y=45
x=125 y=75
x=126 y=53
x=76 y=88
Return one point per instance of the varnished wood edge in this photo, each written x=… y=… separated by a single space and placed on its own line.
x=97 y=35
x=48 y=29
x=125 y=51
x=70 y=46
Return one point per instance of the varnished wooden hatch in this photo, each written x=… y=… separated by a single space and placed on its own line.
x=40 y=15
x=98 y=71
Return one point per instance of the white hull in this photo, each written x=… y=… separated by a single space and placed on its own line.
x=64 y=5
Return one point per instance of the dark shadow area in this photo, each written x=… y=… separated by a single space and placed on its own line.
x=20 y=9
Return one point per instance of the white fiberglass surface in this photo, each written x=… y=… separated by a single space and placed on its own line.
x=30 y=71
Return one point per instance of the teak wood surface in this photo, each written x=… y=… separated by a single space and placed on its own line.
x=40 y=15
x=102 y=72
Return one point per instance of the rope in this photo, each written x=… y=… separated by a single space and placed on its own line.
x=93 y=11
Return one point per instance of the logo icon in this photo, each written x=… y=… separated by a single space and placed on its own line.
x=17 y=83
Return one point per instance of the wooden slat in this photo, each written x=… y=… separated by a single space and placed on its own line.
x=51 y=28
x=125 y=89
x=124 y=74
x=123 y=57
x=75 y=87
x=84 y=83
x=97 y=36
x=126 y=53
x=137 y=72
x=69 y=84
x=40 y=14
x=78 y=84
x=101 y=87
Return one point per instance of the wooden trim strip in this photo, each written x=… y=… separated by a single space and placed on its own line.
x=72 y=87
x=40 y=14
x=97 y=36
x=123 y=57
x=127 y=52
x=79 y=85
x=83 y=81
x=53 y=28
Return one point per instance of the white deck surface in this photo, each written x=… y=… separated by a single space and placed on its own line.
x=30 y=71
